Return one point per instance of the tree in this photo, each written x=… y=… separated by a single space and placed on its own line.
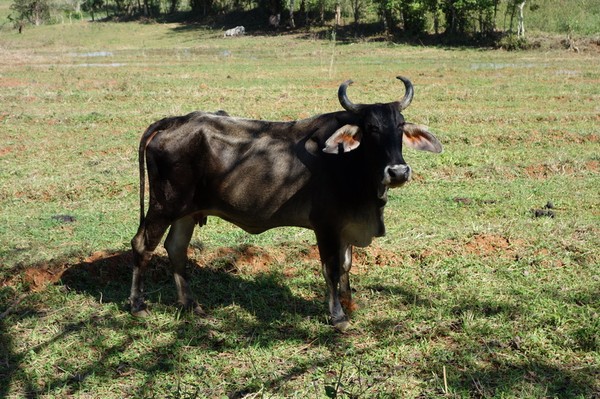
x=201 y=7
x=470 y=16
x=435 y=8
x=173 y=6
x=414 y=17
x=357 y=7
x=92 y=6
x=521 y=25
x=385 y=9
x=34 y=11
x=291 y=6
x=272 y=7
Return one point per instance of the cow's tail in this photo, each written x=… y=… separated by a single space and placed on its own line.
x=144 y=141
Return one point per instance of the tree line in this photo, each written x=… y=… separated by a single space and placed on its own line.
x=451 y=17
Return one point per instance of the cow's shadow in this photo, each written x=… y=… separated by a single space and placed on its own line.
x=242 y=307
x=216 y=285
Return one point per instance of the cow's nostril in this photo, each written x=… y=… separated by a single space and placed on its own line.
x=396 y=174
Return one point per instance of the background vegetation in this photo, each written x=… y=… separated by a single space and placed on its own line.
x=482 y=21
x=486 y=285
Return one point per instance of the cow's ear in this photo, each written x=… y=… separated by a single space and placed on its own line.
x=419 y=138
x=345 y=139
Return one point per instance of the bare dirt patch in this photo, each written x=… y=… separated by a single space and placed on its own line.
x=542 y=171
x=486 y=243
x=106 y=266
x=103 y=267
x=491 y=244
x=39 y=277
x=253 y=259
x=248 y=258
x=100 y=267
x=592 y=166
x=10 y=149
x=8 y=82
x=363 y=258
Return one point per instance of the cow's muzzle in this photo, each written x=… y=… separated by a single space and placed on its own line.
x=396 y=175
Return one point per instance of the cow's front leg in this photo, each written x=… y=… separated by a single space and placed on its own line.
x=345 y=290
x=176 y=244
x=333 y=255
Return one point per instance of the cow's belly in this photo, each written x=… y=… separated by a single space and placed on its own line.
x=258 y=223
x=255 y=216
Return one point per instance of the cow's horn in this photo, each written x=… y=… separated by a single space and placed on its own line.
x=344 y=101
x=408 y=96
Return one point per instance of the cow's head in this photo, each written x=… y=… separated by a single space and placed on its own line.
x=382 y=130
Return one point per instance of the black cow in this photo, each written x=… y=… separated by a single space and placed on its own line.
x=329 y=173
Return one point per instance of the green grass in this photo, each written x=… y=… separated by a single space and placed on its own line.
x=563 y=16
x=467 y=280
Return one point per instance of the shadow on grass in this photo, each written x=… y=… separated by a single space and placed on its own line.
x=259 y=310
x=106 y=277
x=481 y=365
x=216 y=285
x=255 y=22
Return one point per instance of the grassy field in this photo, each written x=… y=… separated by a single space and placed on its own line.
x=476 y=291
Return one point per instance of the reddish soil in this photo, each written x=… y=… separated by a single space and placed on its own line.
x=39 y=277
x=592 y=166
x=105 y=266
x=7 y=82
x=10 y=149
x=102 y=267
x=248 y=257
x=252 y=259
x=491 y=244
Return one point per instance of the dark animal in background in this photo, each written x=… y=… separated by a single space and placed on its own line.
x=329 y=173
x=274 y=20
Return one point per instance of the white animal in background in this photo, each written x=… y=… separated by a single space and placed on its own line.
x=237 y=31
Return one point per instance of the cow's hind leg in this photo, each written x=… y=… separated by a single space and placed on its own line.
x=143 y=245
x=177 y=243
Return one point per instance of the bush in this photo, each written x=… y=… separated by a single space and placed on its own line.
x=512 y=42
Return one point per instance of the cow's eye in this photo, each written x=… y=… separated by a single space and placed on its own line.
x=373 y=128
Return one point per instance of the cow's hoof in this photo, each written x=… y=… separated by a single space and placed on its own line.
x=194 y=308
x=139 y=309
x=342 y=325
x=141 y=313
x=198 y=311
